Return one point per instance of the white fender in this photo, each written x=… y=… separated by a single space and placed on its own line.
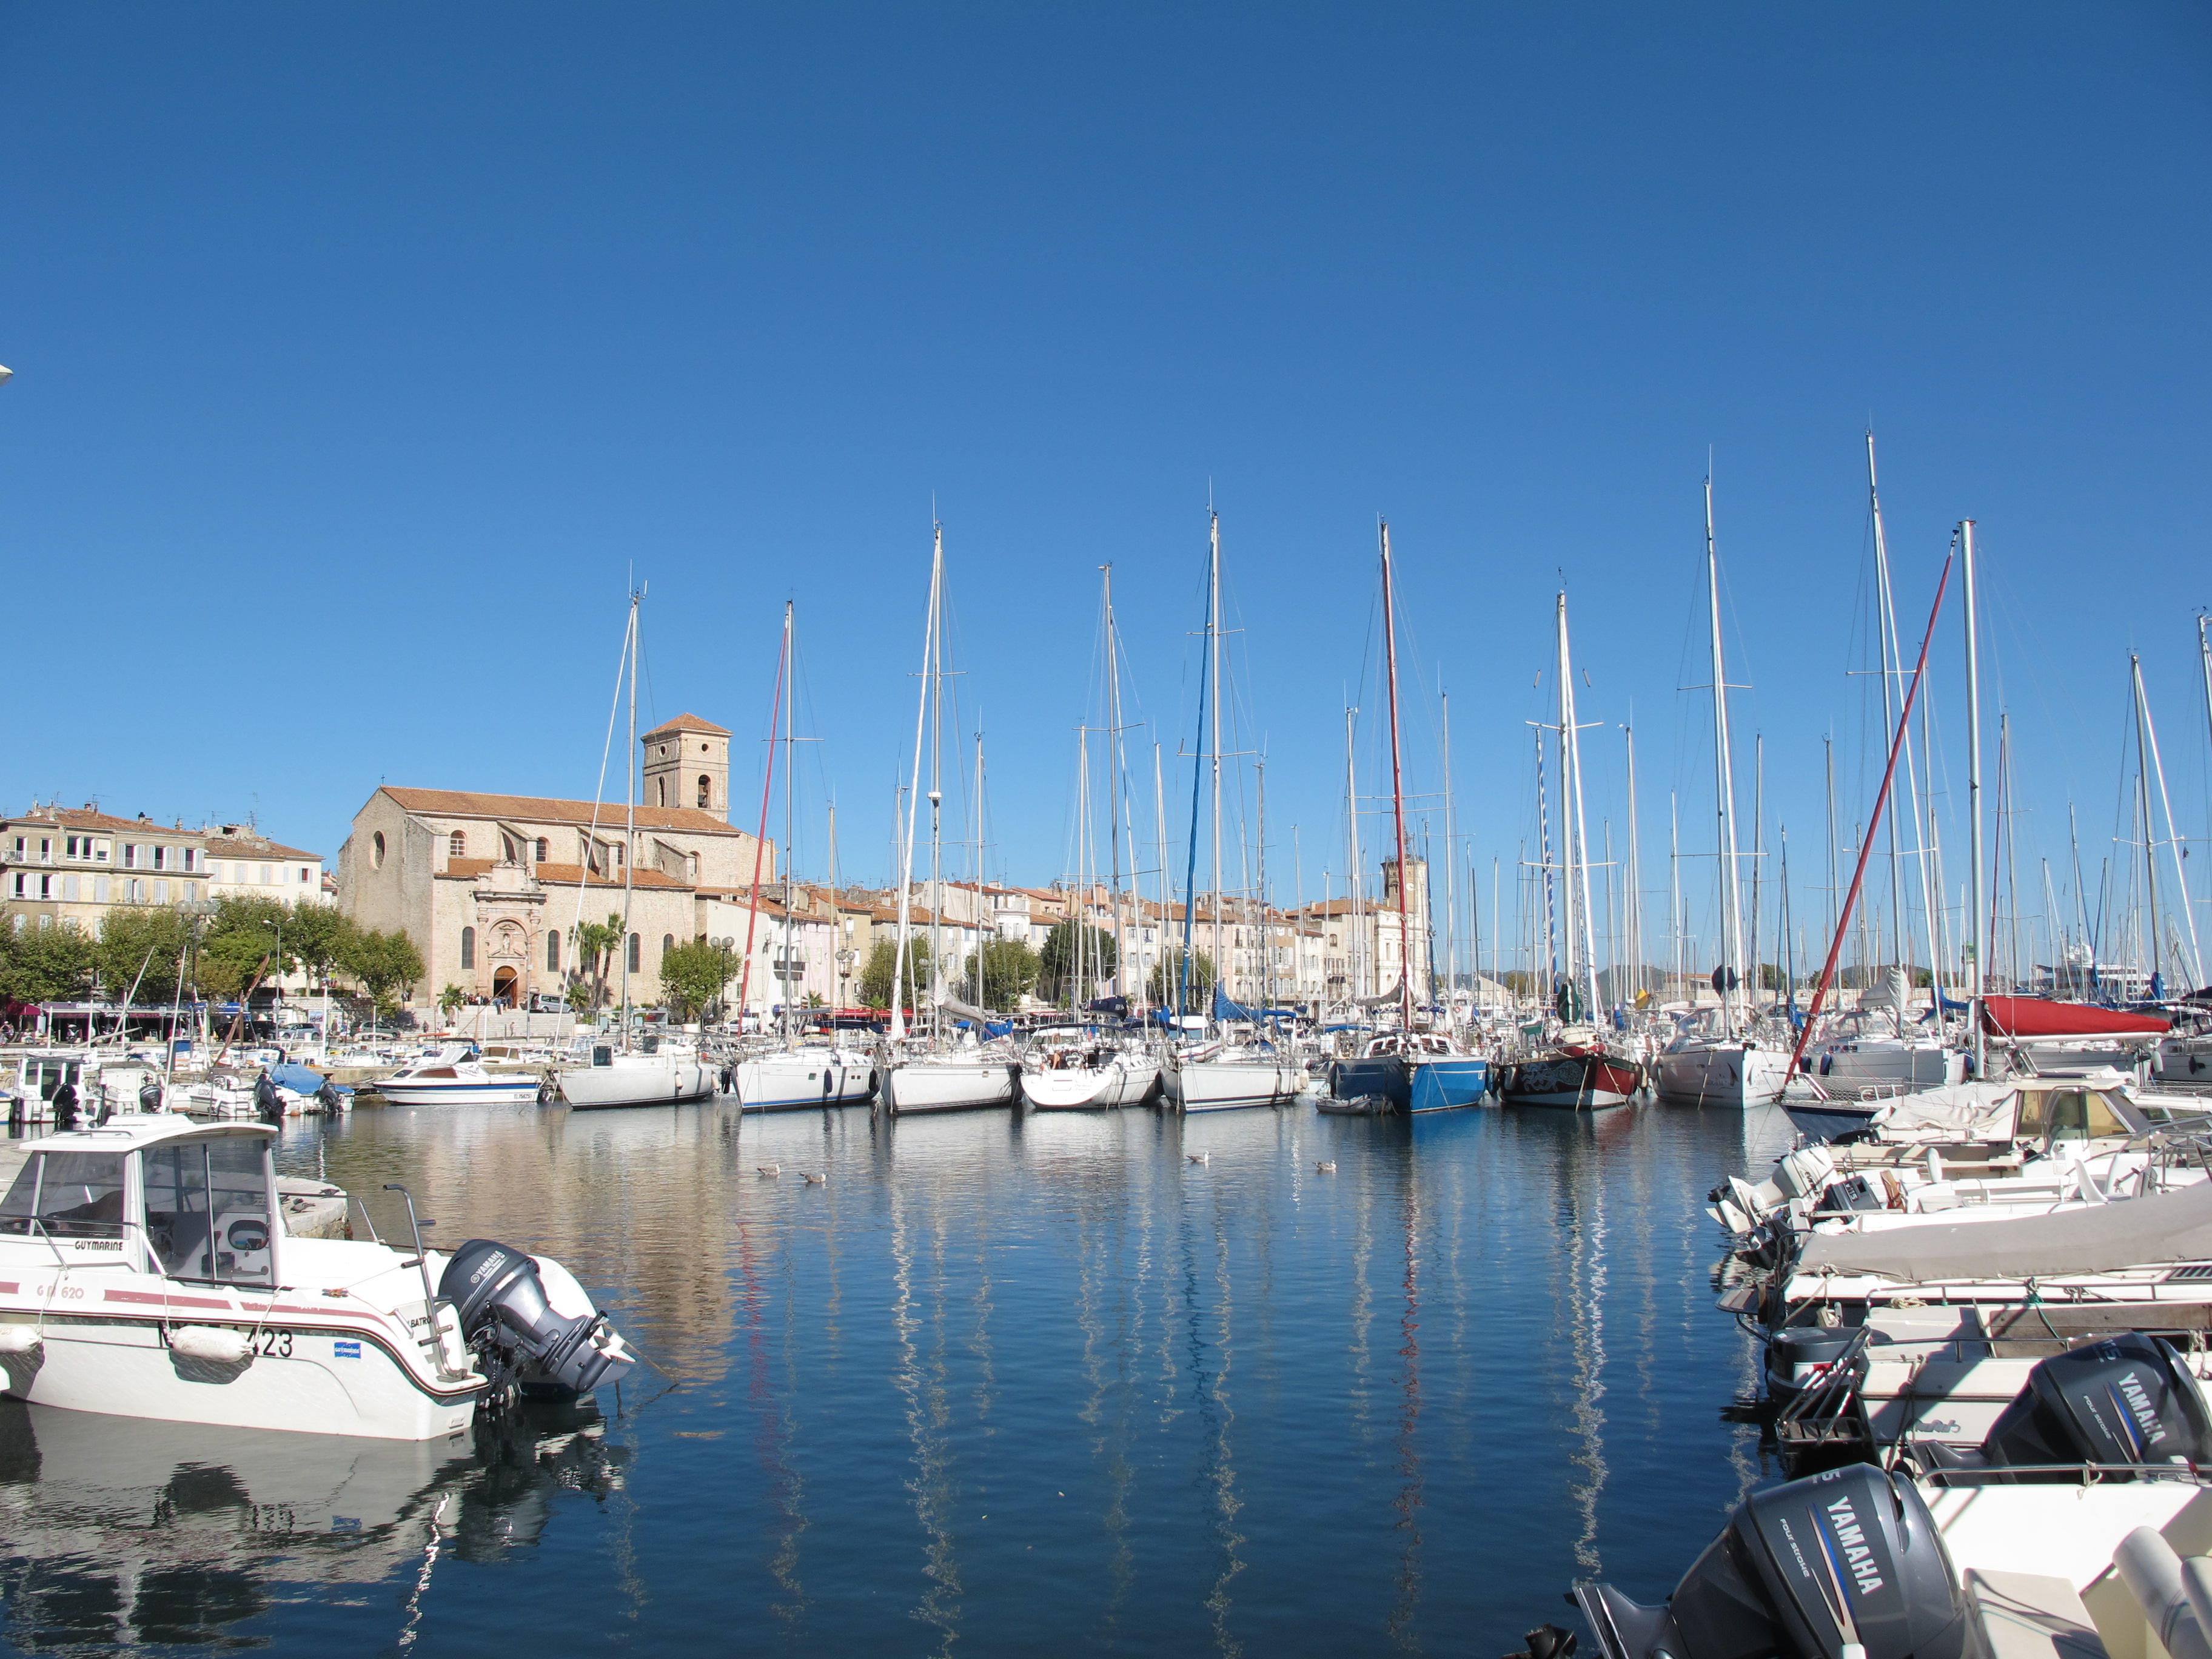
x=211 y=1343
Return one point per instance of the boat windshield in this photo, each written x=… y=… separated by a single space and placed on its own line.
x=208 y=1210
x=66 y=1195
x=2066 y=1115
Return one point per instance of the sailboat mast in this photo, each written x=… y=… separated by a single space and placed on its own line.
x=1890 y=668
x=1731 y=928
x=1577 y=848
x=790 y=891
x=1214 y=670
x=2196 y=963
x=1267 y=957
x=1113 y=778
x=1978 y=921
x=1451 y=876
x=1355 y=887
x=912 y=799
x=1635 y=874
x=630 y=819
x=936 y=788
x=1397 y=792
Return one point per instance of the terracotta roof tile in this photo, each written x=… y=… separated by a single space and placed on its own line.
x=84 y=817
x=222 y=848
x=685 y=723
x=539 y=809
x=569 y=875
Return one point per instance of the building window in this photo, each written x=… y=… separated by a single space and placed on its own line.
x=268 y=876
x=129 y=854
x=376 y=851
x=552 y=953
x=457 y=844
x=161 y=892
x=468 y=947
x=68 y=887
x=667 y=943
x=138 y=889
x=304 y=876
x=661 y=789
x=100 y=890
x=706 y=790
x=633 y=953
x=191 y=889
x=544 y=848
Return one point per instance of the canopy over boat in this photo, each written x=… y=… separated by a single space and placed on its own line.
x=2033 y=1017
x=2101 y=1238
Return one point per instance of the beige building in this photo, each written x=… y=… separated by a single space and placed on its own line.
x=68 y=865
x=491 y=888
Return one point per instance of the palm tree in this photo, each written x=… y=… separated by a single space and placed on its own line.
x=595 y=942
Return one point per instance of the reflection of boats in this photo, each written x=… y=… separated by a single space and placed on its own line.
x=120 y=1531
x=149 y=1275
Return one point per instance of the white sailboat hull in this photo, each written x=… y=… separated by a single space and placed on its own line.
x=637 y=1080
x=1118 y=1083
x=1221 y=1086
x=1722 y=1074
x=805 y=1078
x=957 y=1086
x=1845 y=1067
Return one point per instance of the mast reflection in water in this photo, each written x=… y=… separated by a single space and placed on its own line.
x=996 y=1385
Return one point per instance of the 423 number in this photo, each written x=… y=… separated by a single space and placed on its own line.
x=274 y=1345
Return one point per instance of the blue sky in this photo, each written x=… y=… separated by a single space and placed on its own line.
x=363 y=353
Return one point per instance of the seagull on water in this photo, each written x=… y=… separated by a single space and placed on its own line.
x=814 y=1180
x=1325 y=1168
x=771 y=1170
x=1201 y=1158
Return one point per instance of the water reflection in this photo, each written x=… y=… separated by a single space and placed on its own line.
x=123 y=1532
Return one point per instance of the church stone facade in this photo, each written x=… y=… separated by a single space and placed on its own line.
x=491 y=888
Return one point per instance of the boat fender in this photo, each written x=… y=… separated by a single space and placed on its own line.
x=20 y=1339
x=211 y=1343
x=547 y=1094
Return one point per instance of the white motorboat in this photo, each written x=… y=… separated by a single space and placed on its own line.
x=1218 y=1078
x=1068 y=1070
x=665 y=1077
x=794 y=1080
x=145 y=1272
x=957 y=1080
x=455 y=1077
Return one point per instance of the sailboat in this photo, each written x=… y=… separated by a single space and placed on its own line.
x=662 y=1073
x=1577 y=1071
x=1216 y=1073
x=1416 y=1071
x=1078 y=1067
x=938 y=1071
x=1723 y=1064
x=795 y=1076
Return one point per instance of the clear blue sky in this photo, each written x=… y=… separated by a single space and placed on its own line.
x=361 y=352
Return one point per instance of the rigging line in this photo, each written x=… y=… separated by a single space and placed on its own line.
x=598 y=791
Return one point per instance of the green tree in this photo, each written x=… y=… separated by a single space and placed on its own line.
x=385 y=965
x=450 y=999
x=693 y=974
x=136 y=941
x=1519 y=980
x=1075 y=956
x=319 y=936
x=815 y=1000
x=245 y=940
x=881 y=967
x=1010 y=970
x=43 y=964
x=1168 y=971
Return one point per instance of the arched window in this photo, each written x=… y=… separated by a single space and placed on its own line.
x=457 y=844
x=544 y=848
x=468 y=947
x=705 y=791
x=633 y=954
x=667 y=943
x=376 y=851
x=552 y=953
x=660 y=791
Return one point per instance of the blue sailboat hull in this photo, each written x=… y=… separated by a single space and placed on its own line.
x=1422 y=1086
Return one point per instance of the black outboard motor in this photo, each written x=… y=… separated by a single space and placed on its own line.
x=1793 y=1352
x=501 y=1300
x=1847 y=1558
x=266 y=1103
x=2127 y=1399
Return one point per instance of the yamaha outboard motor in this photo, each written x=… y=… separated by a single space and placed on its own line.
x=2127 y=1399
x=496 y=1290
x=1847 y=1558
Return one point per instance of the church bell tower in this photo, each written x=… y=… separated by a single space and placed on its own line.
x=687 y=764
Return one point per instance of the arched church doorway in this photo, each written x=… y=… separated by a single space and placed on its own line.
x=506 y=983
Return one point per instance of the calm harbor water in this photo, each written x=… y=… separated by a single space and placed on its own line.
x=1000 y=1384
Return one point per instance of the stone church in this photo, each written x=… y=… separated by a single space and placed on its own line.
x=491 y=888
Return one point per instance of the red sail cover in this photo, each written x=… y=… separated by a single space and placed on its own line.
x=2032 y=1017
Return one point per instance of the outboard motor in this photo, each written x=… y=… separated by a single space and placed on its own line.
x=2127 y=1399
x=1797 y=1355
x=501 y=1300
x=1850 y=1558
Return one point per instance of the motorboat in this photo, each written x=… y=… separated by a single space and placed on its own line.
x=1577 y=1073
x=146 y=1271
x=454 y=1076
x=658 y=1075
x=1416 y=1071
x=810 y=1075
x=1220 y=1077
x=1071 y=1069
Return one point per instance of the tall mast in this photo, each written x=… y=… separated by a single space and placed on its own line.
x=1635 y=874
x=630 y=818
x=1577 y=848
x=1397 y=792
x=937 y=787
x=975 y=908
x=790 y=891
x=1354 y=886
x=1114 y=777
x=1979 y=922
x=2143 y=816
x=2196 y=963
x=1752 y=962
x=1160 y=878
x=1451 y=876
x=1267 y=957
x=1213 y=670
x=1891 y=666
x=913 y=798
x=1731 y=928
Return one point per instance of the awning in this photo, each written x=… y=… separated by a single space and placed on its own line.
x=2097 y=1238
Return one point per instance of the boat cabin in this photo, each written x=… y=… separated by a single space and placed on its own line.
x=156 y=1193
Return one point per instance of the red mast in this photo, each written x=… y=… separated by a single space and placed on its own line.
x=1397 y=791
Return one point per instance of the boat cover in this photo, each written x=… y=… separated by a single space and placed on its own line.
x=290 y=1074
x=2033 y=1017
x=2094 y=1238
x=1980 y=1111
